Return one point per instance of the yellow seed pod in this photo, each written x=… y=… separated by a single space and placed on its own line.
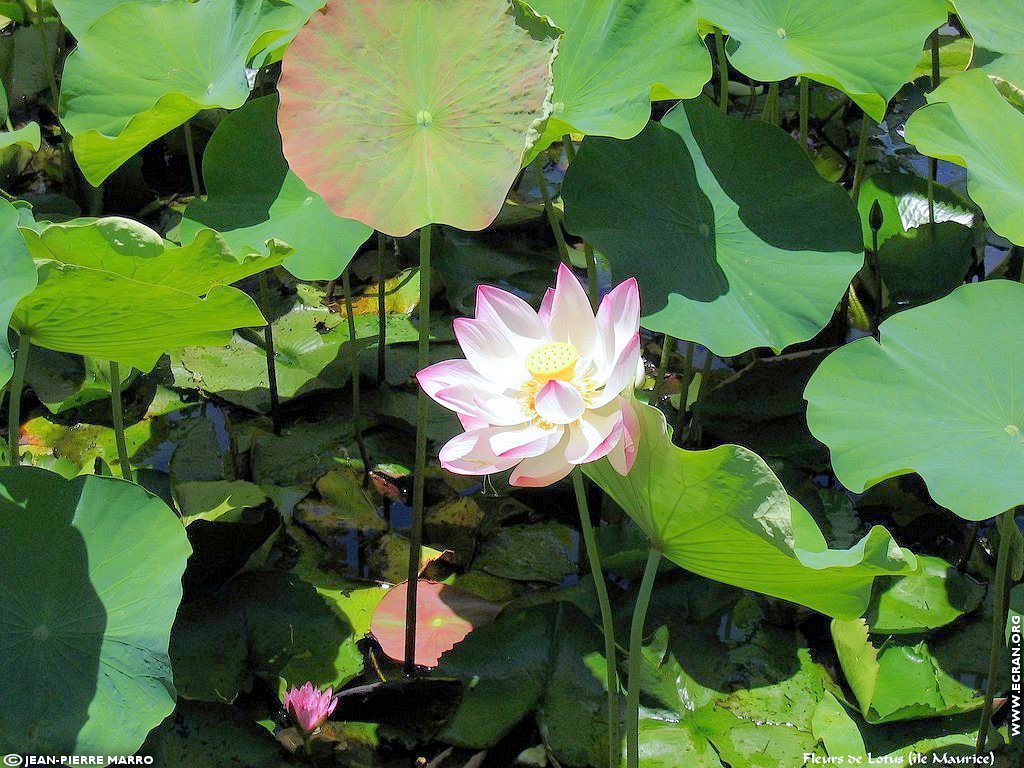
x=554 y=360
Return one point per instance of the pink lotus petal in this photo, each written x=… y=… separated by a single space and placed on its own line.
x=624 y=453
x=572 y=319
x=622 y=374
x=524 y=442
x=516 y=319
x=490 y=352
x=541 y=471
x=470 y=454
x=618 y=318
x=594 y=435
x=559 y=402
x=544 y=313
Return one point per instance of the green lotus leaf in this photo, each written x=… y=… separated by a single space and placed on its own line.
x=867 y=49
x=898 y=406
x=967 y=122
x=254 y=199
x=19 y=279
x=144 y=68
x=79 y=15
x=612 y=62
x=26 y=136
x=742 y=245
x=995 y=28
x=935 y=595
x=402 y=113
x=909 y=677
x=92 y=581
x=724 y=515
x=113 y=289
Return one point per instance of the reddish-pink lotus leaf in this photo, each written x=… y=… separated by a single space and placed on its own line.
x=444 y=616
x=402 y=113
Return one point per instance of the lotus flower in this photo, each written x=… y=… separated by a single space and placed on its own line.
x=542 y=392
x=309 y=707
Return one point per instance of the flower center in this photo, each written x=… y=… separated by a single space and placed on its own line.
x=554 y=360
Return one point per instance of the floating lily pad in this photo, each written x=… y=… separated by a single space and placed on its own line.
x=903 y=200
x=897 y=406
x=92 y=582
x=612 y=62
x=867 y=49
x=19 y=279
x=444 y=617
x=743 y=245
x=62 y=381
x=534 y=552
x=216 y=501
x=143 y=68
x=910 y=677
x=967 y=122
x=253 y=198
x=312 y=354
x=723 y=514
x=113 y=289
x=404 y=113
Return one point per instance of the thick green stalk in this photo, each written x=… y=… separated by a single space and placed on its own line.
x=549 y=210
x=998 y=625
x=858 y=165
x=193 y=165
x=723 y=72
x=357 y=416
x=636 y=639
x=382 y=326
x=659 y=382
x=770 y=113
x=419 y=479
x=14 y=406
x=268 y=343
x=805 y=109
x=685 y=378
x=117 y=411
x=607 y=622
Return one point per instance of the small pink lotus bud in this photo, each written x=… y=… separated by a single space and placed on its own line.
x=309 y=707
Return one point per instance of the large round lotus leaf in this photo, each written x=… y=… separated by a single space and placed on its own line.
x=904 y=405
x=91 y=579
x=736 y=240
x=402 y=113
x=144 y=68
x=79 y=15
x=724 y=515
x=19 y=279
x=612 y=61
x=967 y=122
x=254 y=198
x=867 y=49
x=995 y=26
x=112 y=288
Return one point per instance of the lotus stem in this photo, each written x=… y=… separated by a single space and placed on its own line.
x=588 y=250
x=419 y=478
x=268 y=339
x=357 y=417
x=14 y=406
x=636 y=639
x=193 y=166
x=382 y=326
x=858 y=165
x=117 y=411
x=723 y=72
x=1005 y=524
x=607 y=623
x=770 y=113
x=549 y=211
x=684 y=389
x=805 y=108
x=933 y=163
x=659 y=382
